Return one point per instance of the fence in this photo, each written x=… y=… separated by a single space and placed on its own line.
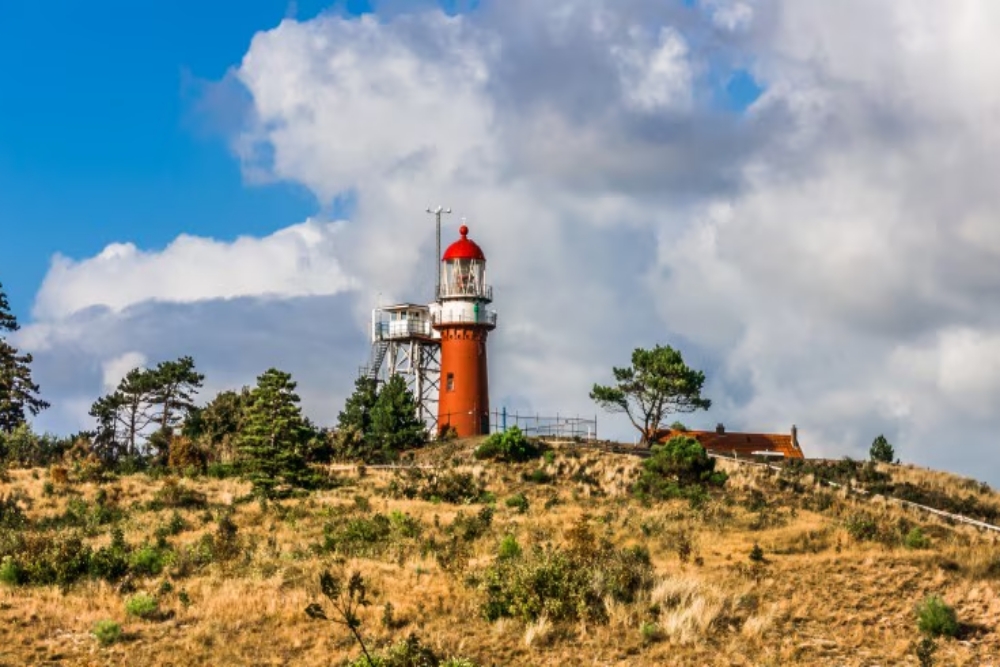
x=538 y=425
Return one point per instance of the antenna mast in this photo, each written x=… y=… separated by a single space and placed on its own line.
x=437 y=268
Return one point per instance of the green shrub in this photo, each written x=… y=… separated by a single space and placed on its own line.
x=757 y=554
x=175 y=494
x=45 y=559
x=148 y=560
x=915 y=539
x=518 y=502
x=678 y=468
x=142 y=606
x=537 y=476
x=12 y=516
x=864 y=527
x=935 y=618
x=471 y=528
x=650 y=632
x=509 y=548
x=405 y=525
x=107 y=632
x=438 y=486
x=565 y=584
x=226 y=543
x=10 y=573
x=111 y=563
x=358 y=536
x=510 y=445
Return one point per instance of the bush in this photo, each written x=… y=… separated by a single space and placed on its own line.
x=936 y=618
x=12 y=516
x=148 y=560
x=107 y=632
x=359 y=536
x=111 y=563
x=565 y=584
x=471 y=528
x=915 y=539
x=678 y=468
x=510 y=445
x=142 y=606
x=43 y=560
x=757 y=554
x=175 y=494
x=449 y=487
x=10 y=573
x=509 y=548
x=518 y=502
x=865 y=527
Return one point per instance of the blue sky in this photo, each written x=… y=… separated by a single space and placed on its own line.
x=98 y=138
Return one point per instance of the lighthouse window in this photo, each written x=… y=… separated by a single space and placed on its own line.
x=450 y=384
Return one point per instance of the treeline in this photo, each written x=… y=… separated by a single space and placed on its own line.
x=153 y=421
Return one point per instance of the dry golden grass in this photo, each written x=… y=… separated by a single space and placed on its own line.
x=819 y=599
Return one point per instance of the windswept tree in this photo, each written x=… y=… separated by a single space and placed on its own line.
x=175 y=384
x=145 y=399
x=274 y=436
x=656 y=385
x=18 y=393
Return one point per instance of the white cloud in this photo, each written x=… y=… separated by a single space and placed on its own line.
x=731 y=16
x=296 y=261
x=117 y=368
x=657 y=76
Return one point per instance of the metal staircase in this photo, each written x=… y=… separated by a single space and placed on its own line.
x=379 y=349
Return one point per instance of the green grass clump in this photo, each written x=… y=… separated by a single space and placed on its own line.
x=107 y=632
x=142 y=606
x=518 y=502
x=936 y=618
x=915 y=539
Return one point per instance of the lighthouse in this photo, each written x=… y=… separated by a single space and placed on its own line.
x=461 y=319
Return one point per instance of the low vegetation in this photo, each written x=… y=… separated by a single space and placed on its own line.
x=465 y=560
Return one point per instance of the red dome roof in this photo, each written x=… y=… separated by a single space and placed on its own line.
x=464 y=248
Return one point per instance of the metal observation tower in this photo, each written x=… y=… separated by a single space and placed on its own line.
x=406 y=340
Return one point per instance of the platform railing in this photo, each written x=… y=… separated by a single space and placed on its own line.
x=488 y=317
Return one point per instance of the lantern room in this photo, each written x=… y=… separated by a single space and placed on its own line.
x=463 y=270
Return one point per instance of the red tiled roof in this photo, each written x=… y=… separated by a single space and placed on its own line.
x=741 y=443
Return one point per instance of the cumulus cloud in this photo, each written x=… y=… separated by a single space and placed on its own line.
x=828 y=256
x=296 y=261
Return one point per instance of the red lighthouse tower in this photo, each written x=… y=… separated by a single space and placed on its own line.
x=461 y=319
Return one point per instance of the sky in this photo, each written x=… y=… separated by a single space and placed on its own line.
x=797 y=194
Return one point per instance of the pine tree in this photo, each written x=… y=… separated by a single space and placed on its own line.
x=355 y=421
x=394 y=423
x=175 y=383
x=273 y=436
x=18 y=393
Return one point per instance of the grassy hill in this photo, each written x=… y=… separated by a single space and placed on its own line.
x=549 y=562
